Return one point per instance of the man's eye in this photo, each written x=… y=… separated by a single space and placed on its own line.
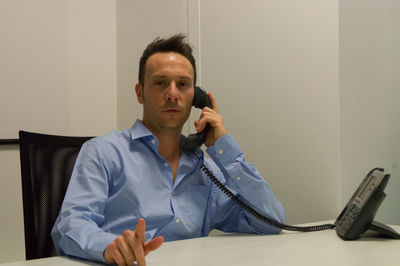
x=161 y=83
x=183 y=84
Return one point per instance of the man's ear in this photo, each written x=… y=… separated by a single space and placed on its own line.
x=139 y=92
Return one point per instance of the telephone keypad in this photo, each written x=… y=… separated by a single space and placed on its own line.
x=354 y=211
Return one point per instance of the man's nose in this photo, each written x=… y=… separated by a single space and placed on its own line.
x=172 y=92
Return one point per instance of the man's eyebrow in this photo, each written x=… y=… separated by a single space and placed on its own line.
x=164 y=77
x=158 y=76
x=185 y=77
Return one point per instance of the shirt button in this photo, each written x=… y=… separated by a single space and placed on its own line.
x=221 y=151
x=177 y=221
x=238 y=178
x=166 y=164
x=153 y=141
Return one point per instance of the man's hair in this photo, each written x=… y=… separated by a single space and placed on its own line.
x=176 y=44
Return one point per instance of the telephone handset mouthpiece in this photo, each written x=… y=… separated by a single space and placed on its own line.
x=193 y=141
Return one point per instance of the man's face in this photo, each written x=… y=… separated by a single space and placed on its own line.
x=167 y=93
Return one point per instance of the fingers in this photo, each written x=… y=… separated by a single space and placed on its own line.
x=119 y=252
x=208 y=116
x=140 y=230
x=124 y=248
x=130 y=246
x=113 y=255
x=139 y=253
x=216 y=121
x=213 y=102
x=153 y=244
x=138 y=244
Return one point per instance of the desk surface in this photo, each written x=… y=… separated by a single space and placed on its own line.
x=288 y=248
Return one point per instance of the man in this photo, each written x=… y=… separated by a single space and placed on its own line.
x=137 y=185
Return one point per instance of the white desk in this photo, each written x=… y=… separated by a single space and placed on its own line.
x=288 y=248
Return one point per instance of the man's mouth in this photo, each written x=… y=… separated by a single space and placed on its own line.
x=172 y=110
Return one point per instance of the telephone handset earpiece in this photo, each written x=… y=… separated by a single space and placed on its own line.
x=193 y=141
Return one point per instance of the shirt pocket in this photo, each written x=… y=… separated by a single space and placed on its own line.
x=197 y=199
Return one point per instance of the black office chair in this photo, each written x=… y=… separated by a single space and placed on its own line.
x=47 y=162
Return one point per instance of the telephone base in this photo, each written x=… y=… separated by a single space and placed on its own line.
x=384 y=229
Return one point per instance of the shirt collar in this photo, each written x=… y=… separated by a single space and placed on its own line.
x=139 y=130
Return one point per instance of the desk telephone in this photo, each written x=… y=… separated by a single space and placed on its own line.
x=356 y=218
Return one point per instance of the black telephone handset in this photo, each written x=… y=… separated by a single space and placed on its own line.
x=358 y=215
x=193 y=141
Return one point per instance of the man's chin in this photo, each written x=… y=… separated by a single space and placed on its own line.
x=173 y=124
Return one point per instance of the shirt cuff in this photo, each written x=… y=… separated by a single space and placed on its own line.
x=99 y=243
x=225 y=150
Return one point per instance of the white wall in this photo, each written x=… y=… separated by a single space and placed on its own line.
x=34 y=63
x=370 y=97
x=273 y=67
x=138 y=23
x=58 y=62
x=57 y=57
x=12 y=245
x=92 y=66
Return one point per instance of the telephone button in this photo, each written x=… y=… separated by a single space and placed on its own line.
x=354 y=211
x=379 y=195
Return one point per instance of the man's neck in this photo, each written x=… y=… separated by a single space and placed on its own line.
x=168 y=147
x=168 y=143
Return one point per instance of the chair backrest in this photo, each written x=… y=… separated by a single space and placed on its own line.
x=47 y=162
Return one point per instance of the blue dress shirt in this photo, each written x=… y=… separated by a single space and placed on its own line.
x=120 y=177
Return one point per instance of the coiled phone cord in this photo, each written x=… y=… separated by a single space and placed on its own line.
x=259 y=216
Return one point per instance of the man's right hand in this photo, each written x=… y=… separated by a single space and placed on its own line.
x=131 y=246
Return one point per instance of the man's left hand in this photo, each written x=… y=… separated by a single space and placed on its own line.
x=216 y=121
